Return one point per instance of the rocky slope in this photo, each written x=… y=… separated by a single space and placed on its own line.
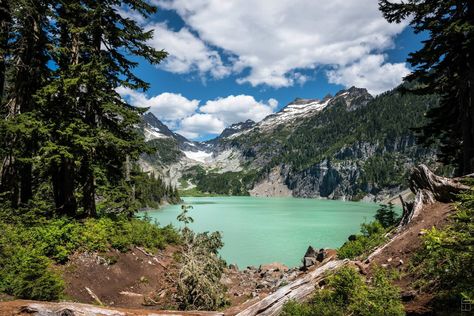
x=347 y=146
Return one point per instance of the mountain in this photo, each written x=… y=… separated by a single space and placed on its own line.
x=348 y=146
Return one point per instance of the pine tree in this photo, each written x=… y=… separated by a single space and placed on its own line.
x=92 y=129
x=26 y=49
x=445 y=66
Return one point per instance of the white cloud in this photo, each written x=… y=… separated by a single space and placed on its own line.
x=127 y=13
x=276 y=39
x=191 y=120
x=168 y=107
x=200 y=124
x=371 y=72
x=187 y=53
x=239 y=108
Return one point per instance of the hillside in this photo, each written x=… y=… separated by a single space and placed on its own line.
x=348 y=146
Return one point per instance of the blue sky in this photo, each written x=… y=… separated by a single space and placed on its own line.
x=240 y=59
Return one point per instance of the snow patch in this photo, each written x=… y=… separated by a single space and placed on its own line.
x=153 y=134
x=201 y=156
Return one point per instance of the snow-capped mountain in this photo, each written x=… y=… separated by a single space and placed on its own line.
x=350 y=146
x=153 y=128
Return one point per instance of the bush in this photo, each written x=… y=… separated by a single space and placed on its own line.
x=348 y=294
x=446 y=259
x=24 y=271
x=28 y=252
x=201 y=268
x=386 y=215
x=372 y=235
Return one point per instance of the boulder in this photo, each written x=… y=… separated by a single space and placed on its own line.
x=321 y=255
x=233 y=267
x=310 y=252
x=309 y=261
x=275 y=266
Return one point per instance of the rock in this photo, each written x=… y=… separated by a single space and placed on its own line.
x=233 y=267
x=254 y=294
x=226 y=281
x=422 y=232
x=408 y=295
x=310 y=252
x=389 y=260
x=321 y=255
x=275 y=266
x=400 y=262
x=362 y=268
x=309 y=261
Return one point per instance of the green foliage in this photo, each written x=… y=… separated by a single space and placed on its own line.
x=29 y=251
x=348 y=294
x=445 y=262
x=372 y=235
x=61 y=116
x=26 y=273
x=201 y=268
x=442 y=66
x=151 y=191
x=227 y=183
x=386 y=215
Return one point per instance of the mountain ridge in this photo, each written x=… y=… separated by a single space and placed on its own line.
x=347 y=146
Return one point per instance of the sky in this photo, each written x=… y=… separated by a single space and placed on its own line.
x=233 y=60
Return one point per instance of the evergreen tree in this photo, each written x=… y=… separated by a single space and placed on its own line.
x=26 y=51
x=92 y=129
x=445 y=66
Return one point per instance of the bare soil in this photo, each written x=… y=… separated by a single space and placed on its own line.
x=134 y=279
x=398 y=253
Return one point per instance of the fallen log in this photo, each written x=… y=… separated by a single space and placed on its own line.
x=78 y=309
x=297 y=290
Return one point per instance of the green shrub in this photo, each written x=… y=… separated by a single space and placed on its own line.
x=348 y=294
x=29 y=252
x=446 y=260
x=201 y=268
x=372 y=235
x=386 y=215
x=26 y=273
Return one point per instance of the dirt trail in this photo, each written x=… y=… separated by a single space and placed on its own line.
x=398 y=252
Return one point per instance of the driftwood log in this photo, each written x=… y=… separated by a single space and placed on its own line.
x=297 y=290
x=78 y=309
x=428 y=188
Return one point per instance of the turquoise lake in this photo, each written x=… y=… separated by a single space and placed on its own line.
x=264 y=230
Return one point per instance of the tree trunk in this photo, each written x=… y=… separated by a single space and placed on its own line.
x=63 y=187
x=468 y=113
x=428 y=188
x=89 y=188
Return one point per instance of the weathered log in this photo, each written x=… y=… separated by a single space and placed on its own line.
x=297 y=290
x=428 y=188
x=78 y=309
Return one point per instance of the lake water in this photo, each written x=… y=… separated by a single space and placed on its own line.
x=264 y=230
